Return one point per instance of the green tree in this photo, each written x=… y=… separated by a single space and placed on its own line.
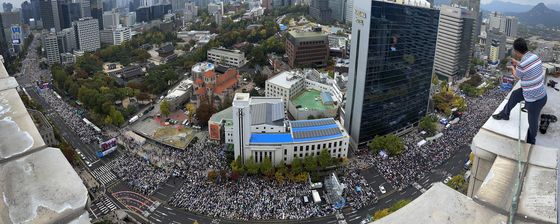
x=391 y=143
x=266 y=167
x=458 y=183
x=428 y=124
x=310 y=163
x=252 y=166
x=204 y=111
x=325 y=159
x=117 y=117
x=297 y=166
x=164 y=108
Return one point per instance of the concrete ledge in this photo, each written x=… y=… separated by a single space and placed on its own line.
x=18 y=133
x=538 y=197
x=510 y=127
x=41 y=188
x=496 y=190
x=486 y=144
x=441 y=204
x=8 y=83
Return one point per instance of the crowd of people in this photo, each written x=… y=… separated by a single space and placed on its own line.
x=70 y=116
x=416 y=161
x=138 y=173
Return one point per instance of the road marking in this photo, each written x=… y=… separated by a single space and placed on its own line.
x=389 y=200
x=403 y=192
x=354 y=218
x=332 y=221
x=371 y=209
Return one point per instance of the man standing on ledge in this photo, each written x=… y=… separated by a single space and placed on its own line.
x=530 y=73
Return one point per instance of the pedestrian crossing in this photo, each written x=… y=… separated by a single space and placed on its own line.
x=103 y=206
x=103 y=174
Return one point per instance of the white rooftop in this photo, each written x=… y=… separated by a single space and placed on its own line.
x=286 y=79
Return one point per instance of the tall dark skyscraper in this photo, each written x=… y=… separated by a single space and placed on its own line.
x=97 y=11
x=36 y=9
x=68 y=12
x=391 y=63
x=26 y=11
x=49 y=14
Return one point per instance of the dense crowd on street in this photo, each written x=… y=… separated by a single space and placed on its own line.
x=139 y=174
x=70 y=116
x=417 y=161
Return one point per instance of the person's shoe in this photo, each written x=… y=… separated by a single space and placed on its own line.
x=500 y=117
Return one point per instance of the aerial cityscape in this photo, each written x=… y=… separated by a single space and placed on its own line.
x=279 y=111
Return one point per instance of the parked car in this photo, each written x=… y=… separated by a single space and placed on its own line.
x=447 y=179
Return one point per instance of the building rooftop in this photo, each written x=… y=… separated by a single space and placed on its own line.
x=311 y=99
x=286 y=79
x=202 y=67
x=307 y=34
x=37 y=183
x=302 y=131
x=491 y=186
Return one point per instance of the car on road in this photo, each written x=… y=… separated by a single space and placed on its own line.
x=382 y=189
x=447 y=179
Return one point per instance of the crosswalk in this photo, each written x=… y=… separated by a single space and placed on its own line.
x=103 y=206
x=103 y=174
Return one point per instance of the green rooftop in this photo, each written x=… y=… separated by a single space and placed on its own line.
x=311 y=99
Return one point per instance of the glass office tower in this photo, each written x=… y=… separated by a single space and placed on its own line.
x=391 y=65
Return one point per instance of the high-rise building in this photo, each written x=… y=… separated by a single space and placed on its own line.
x=7 y=7
x=128 y=19
x=349 y=11
x=191 y=11
x=319 y=9
x=133 y=5
x=307 y=49
x=68 y=12
x=511 y=27
x=338 y=10
x=391 y=64
x=50 y=44
x=267 y=4
x=97 y=11
x=26 y=12
x=453 y=49
x=87 y=33
x=36 y=9
x=10 y=19
x=498 y=39
x=497 y=21
x=66 y=40
x=3 y=41
x=280 y=3
x=178 y=5
x=85 y=8
x=49 y=14
x=110 y=19
x=213 y=8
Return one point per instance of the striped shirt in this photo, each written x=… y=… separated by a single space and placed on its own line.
x=530 y=72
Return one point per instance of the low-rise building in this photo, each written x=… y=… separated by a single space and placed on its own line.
x=306 y=93
x=281 y=143
x=165 y=50
x=180 y=94
x=44 y=127
x=226 y=57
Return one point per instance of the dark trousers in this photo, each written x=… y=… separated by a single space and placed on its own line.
x=533 y=111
